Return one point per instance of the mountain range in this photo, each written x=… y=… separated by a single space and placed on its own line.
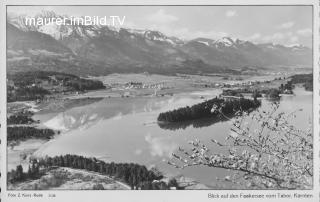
x=100 y=50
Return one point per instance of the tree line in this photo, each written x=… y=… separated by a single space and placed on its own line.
x=24 y=132
x=306 y=79
x=270 y=93
x=239 y=92
x=18 y=175
x=84 y=84
x=135 y=175
x=33 y=85
x=233 y=92
x=25 y=93
x=205 y=109
x=20 y=118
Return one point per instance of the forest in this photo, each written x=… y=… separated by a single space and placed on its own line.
x=19 y=133
x=209 y=109
x=273 y=93
x=20 y=118
x=239 y=92
x=234 y=92
x=33 y=85
x=24 y=93
x=306 y=79
x=137 y=176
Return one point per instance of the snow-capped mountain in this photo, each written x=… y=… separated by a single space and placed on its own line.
x=224 y=42
x=235 y=52
x=125 y=49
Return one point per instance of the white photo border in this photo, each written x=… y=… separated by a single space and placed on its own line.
x=159 y=195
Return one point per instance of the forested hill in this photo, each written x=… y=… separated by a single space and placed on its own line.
x=32 y=85
x=305 y=79
x=135 y=175
x=209 y=109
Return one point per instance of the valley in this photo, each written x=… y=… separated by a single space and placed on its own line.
x=134 y=100
x=101 y=107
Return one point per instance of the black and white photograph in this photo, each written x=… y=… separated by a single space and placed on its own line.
x=160 y=97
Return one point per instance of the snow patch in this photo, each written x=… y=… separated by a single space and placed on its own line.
x=204 y=42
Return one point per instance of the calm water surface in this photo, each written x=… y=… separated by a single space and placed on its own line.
x=125 y=130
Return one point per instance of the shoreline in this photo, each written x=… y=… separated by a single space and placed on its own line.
x=35 y=148
x=82 y=97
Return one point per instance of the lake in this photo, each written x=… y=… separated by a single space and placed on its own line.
x=125 y=130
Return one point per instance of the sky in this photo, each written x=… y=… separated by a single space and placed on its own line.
x=287 y=25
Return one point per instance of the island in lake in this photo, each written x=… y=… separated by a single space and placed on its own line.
x=113 y=108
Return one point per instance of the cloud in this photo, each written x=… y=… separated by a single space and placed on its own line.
x=130 y=24
x=285 y=38
x=305 y=32
x=231 y=13
x=278 y=36
x=293 y=39
x=160 y=146
x=211 y=34
x=162 y=17
x=137 y=151
x=187 y=34
x=254 y=37
x=29 y=10
x=286 y=25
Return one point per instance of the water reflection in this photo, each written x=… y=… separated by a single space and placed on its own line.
x=200 y=123
x=90 y=114
x=160 y=146
x=116 y=130
x=206 y=122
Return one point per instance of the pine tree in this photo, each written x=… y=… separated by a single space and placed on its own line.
x=19 y=173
